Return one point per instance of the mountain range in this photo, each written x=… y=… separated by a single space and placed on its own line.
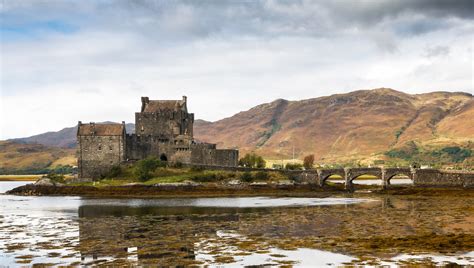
x=360 y=125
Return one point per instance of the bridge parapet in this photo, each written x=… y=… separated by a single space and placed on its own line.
x=443 y=178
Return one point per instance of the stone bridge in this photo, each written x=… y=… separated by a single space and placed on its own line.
x=350 y=174
x=420 y=177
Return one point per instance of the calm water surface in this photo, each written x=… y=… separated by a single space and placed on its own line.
x=217 y=231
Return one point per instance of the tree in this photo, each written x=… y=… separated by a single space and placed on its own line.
x=308 y=161
x=252 y=160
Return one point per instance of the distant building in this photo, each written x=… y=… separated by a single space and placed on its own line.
x=163 y=129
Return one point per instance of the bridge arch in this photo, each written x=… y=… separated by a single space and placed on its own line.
x=354 y=173
x=390 y=173
x=324 y=174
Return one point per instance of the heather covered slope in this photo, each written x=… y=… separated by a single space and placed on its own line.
x=359 y=124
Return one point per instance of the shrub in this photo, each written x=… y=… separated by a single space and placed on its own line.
x=205 y=177
x=196 y=168
x=457 y=154
x=114 y=172
x=145 y=166
x=293 y=166
x=177 y=164
x=308 y=161
x=53 y=176
x=246 y=177
x=212 y=176
x=261 y=175
x=252 y=160
x=60 y=169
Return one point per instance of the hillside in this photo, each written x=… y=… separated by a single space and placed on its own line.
x=64 y=138
x=15 y=157
x=357 y=125
x=361 y=125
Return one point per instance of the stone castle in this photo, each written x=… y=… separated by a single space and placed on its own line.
x=163 y=129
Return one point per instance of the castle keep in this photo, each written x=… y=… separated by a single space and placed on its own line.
x=163 y=129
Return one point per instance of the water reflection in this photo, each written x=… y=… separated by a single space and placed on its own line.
x=237 y=231
x=8 y=185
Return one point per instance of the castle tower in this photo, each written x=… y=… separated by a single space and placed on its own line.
x=165 y=119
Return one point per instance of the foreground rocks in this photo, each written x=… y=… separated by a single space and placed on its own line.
x=169 y=190
x=47 y=188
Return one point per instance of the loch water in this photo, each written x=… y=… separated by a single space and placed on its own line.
x=234 y=231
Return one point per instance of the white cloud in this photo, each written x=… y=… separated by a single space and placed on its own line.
x=226 y=58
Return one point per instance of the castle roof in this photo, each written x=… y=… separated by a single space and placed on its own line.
x=157 y=105
x=101 y=129
x=154 y=106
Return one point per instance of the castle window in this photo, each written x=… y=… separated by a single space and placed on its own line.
x=100 y=147
x=110 y=147
x=143 y=129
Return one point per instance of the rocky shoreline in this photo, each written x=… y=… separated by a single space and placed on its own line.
x=171 y=190
x=217 y=190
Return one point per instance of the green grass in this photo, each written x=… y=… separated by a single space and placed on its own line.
x=176 y=175
x=167 y=175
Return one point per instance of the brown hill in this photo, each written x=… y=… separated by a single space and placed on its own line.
x=33 y=157
x=65 y=138
x=356 y=125
x=361 y=125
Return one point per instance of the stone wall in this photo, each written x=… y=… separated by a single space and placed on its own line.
x=420 y=177
x=207 y=154
x=227 y=157
x=98 y=154
x=443 y=178
x=140 y=147
x=165 y=124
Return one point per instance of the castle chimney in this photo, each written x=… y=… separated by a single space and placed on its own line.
x=185 y=98
x=92 y=124
x=80 y=123
x=145 y=101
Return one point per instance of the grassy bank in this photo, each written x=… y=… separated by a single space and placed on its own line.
x=182 y=175
x=19 y=177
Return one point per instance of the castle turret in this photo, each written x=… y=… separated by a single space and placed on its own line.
x=164 y=119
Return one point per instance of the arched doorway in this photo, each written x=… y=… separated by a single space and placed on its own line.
x=163 y=158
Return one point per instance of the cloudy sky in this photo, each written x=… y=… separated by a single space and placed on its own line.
x=64 y=61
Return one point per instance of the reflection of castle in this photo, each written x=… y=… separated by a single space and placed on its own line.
x=163 y=128
x=157 y=235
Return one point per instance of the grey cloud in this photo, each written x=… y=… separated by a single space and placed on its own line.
x=185 y=19
x=436 y=51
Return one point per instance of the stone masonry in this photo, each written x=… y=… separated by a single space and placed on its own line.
x=163 y=129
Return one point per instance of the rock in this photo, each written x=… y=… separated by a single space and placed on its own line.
x=176 y=184
x=234 y=182
x=47 y=182
x=44 y=182
x=259 y=183
x=286 y=183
